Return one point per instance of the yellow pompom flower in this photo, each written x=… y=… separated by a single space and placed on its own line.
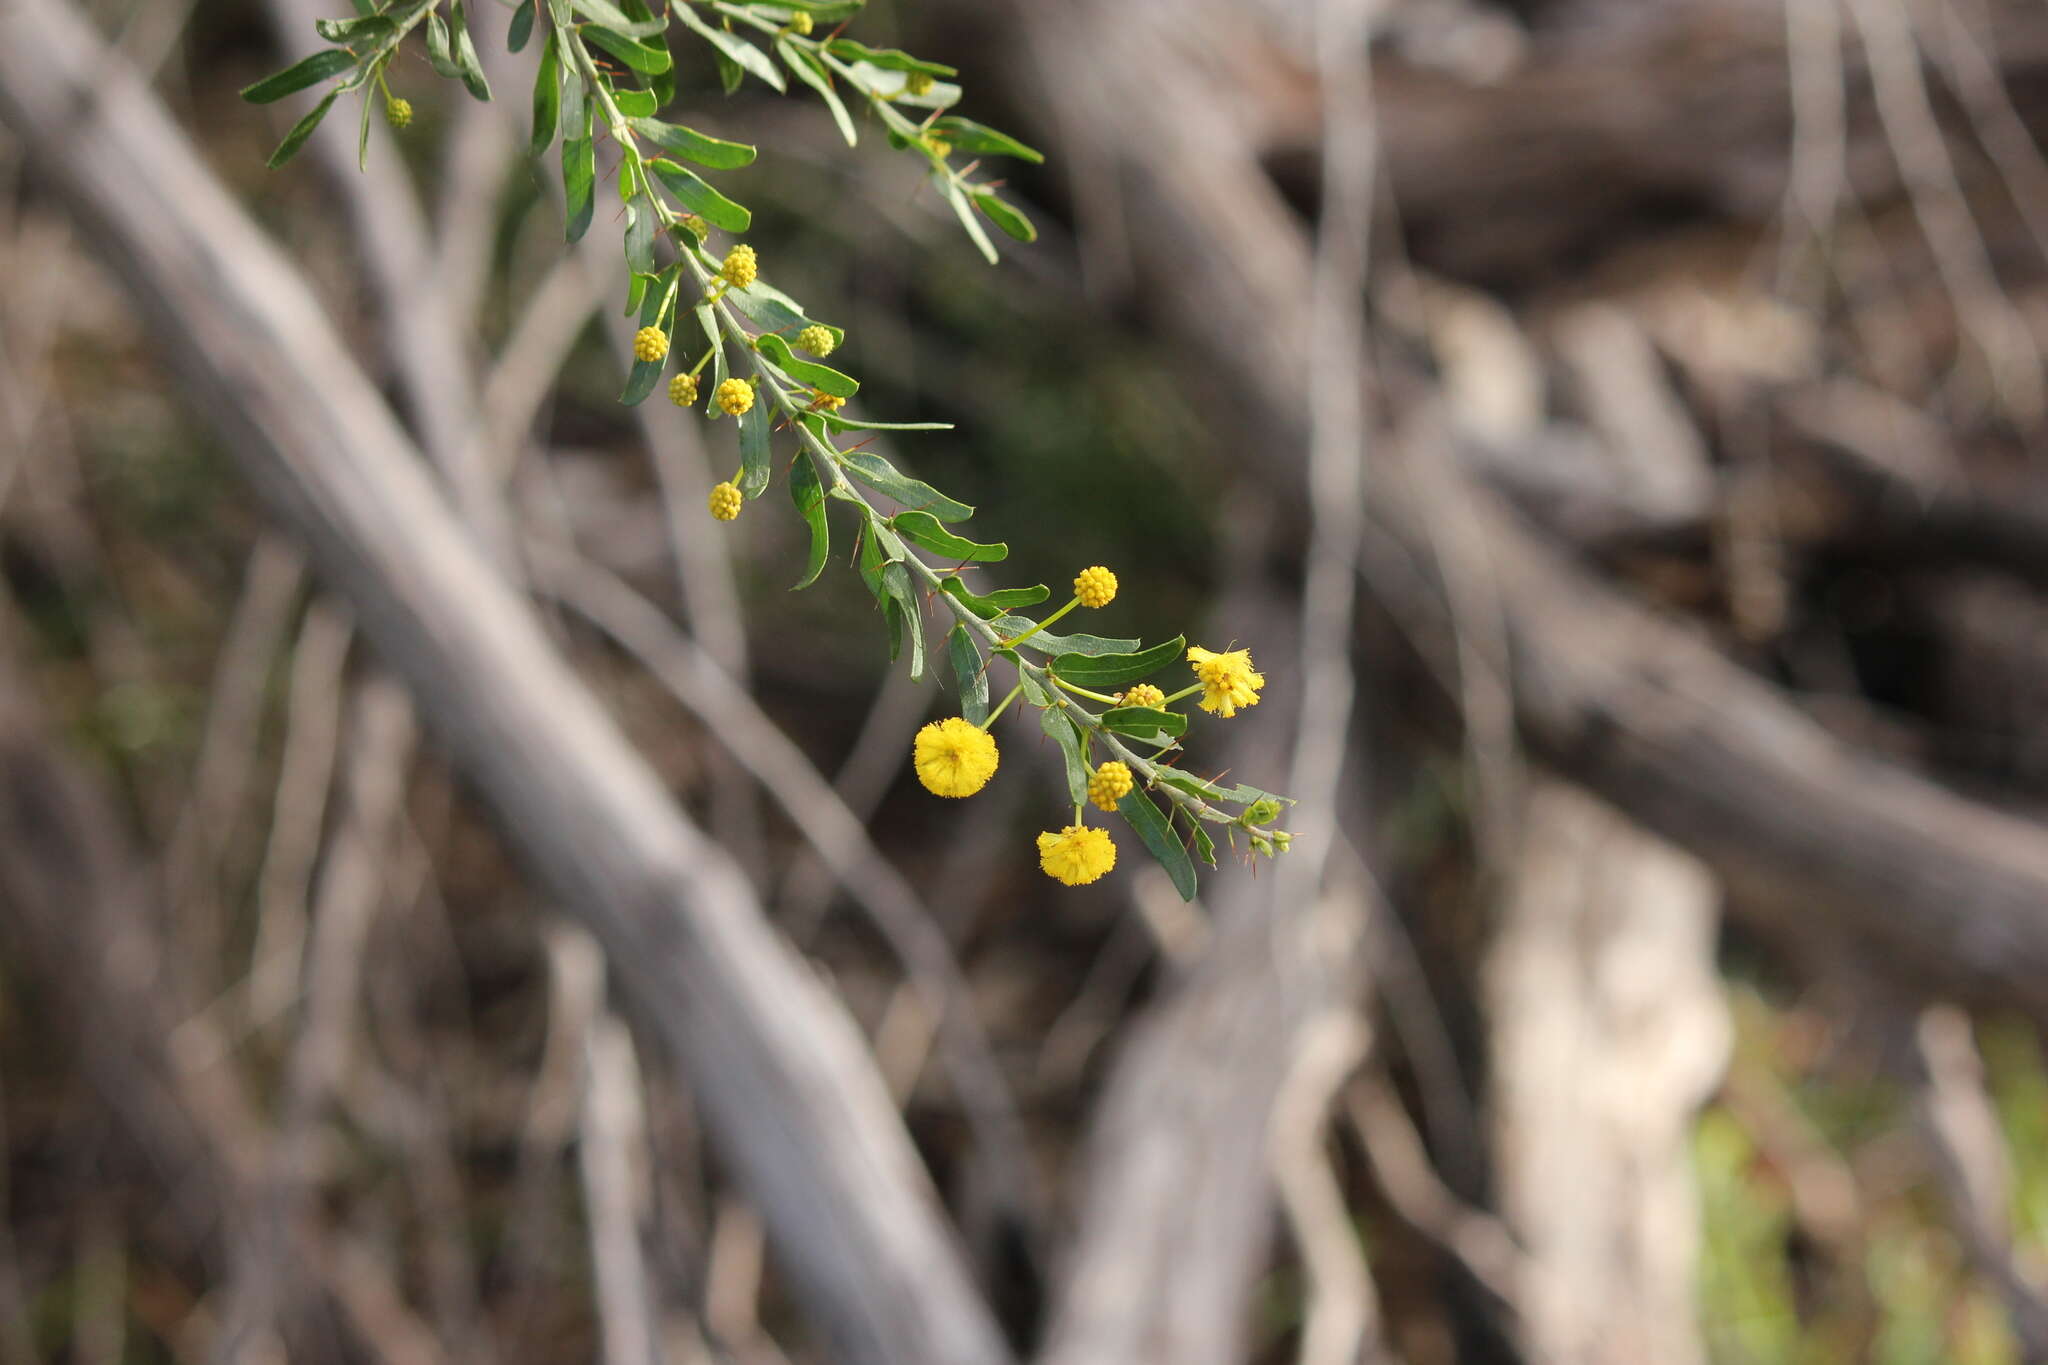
x=726 y=502
x=741 y=267
x=1143 y=694
x=918 y=83
x=398 y=112
x=1077 y=855
x=1095 y=587
x=816 y=339
x=800 y=22
x=682 y=390
x=650 y=343
x=1110 y=784
x=954 y=758
x=1228 y=679
x=735 y=396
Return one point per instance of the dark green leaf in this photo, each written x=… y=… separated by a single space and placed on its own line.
x=708 y=321
x=810 y=73
x=655 y=311
x=440 y=51
x=465 y=54
x=979 y=138
x=803 y=371
x=639 y=239
x=1114 y=670
x=1145 y=722
x=755 y=423
x=997 y=602
x=547 y=96
x=774 y=311
x=809 y=496
x=521 y=29
x=924 y=529
x=579 y=183
x=1056 y=645
x=700 y=198
x=730 y=73
x=302 y=130
x=888 y=59
x=646 y=58
x=1053 y=720
x=1005 y=216
x=616 y=19
x=1160 y=840
x=896 y=582
x=363 y=135
x=634 y=103
x=370 y=29
x=298 y=76
x=1210 y=791
x=694 y=146
x=736 y=50
x=878 y=474
x=839 y=423
x=969 y=674
x=1205 y=847
x=636 y=290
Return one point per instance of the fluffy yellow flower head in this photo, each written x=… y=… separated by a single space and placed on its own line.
x=954 y=758
x=1228 y=680
x=1095 y=587
x=735 y=396
x=817 y=339
x=650 y=343
x=682 y=390
x=1143 y=694
x=1110 y=784
x=741 y=267
x=726 y=502
x=1077 y=855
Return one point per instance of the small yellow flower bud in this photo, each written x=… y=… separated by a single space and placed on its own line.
x=816 y=339
x=940 y=147
x=694 y=225
x=682 y=390
x=1095 y=587
x=1110 y=784
x=735 y=396
x=650 y=344
x=917 y=83
x=726 y=502
x=1144 y=694
x=741 y=267
x=398 y=112
x=822 y=401
x=800 y=22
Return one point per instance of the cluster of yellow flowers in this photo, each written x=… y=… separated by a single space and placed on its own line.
x=956 y=758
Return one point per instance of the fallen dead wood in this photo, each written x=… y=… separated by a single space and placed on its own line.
x=782 y=1076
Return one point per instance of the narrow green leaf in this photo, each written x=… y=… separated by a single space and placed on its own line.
x=772 y=310
x=924 y=529
x=896 y=582
x=1114 y=670
x=1005 y=216
x=708 y=321
x=302 y=130
x=1053 y=720
x=440 y=51
x=691 y=145
x=887 y=58
x=575 y=104
x=839 y=423
x=616 y=19
x=979 y=138
x=368 y=29
x=878 y=474
x=736 y=50
x=363 y=135
x=1160 y=840
x=547 y=96
x=803 y=371
x=964 y=211
x=1056 y=645
x=972 y=678
x=1144 y=722
x=700 y=198
x=634 y=103
x=810 y=73
x=755 y=424
x=1211 y=791
x=730 y=73
x=996 y=603
x=809 y=496
x=636 y=290
x=299 y=75
x=639 y=239
x=579 y=184
x=646 y=58
x=656 y=310
x=465 y=54
x=1205 y=847
x=520 y=30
